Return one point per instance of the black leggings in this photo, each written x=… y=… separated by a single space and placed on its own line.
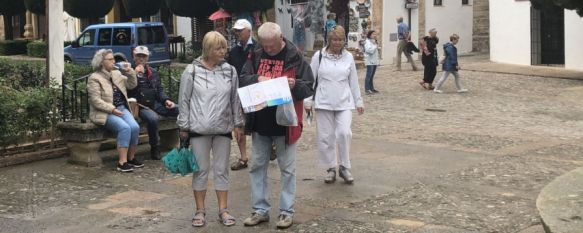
x=429 y=72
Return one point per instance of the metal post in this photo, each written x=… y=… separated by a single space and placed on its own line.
x=63 y=104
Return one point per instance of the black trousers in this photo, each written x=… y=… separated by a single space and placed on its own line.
x=430 y=71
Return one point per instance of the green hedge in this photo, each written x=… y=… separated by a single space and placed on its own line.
x=25 y=115
x=13 y=47
x=37 y=49
x=26 y=103
x=22 y=75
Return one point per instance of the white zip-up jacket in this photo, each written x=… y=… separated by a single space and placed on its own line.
x=208 y=100
x=337 y=88
x=371 y=53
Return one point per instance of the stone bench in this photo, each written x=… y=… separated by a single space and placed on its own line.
x=84 y=139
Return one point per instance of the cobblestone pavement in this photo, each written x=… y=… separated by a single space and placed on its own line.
x=424 y=162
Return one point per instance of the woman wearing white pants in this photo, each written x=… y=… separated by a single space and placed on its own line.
x=336 y=94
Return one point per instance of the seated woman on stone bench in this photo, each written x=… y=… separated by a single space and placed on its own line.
x=108 y=105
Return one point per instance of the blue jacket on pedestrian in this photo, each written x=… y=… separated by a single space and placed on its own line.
x=450 y=63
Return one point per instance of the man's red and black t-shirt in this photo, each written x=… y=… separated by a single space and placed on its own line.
x=270 y=66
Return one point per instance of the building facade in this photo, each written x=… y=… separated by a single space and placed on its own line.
x=523 y=35
x=448 y=17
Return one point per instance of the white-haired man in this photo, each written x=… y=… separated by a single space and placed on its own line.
x=277 y=57
x=237 y=57
x=152 y=98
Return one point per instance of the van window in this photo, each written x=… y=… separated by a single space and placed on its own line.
x=104 y=36
x=122 y=36
x=87 y=38
x=151 y=35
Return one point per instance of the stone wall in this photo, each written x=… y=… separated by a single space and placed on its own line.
x=2 y=28
x=377 y=19
x=422 y=21
x=481 y=38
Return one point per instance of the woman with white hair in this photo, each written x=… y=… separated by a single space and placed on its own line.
x=108 y=105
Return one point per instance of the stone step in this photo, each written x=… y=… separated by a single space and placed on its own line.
x=560 y=203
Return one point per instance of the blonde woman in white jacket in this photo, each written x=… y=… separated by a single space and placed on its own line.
x=336 y=94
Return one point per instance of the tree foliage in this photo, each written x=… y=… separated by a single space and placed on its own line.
x=88 y=8
x=11 y=7
x=263 y=5
x=237 y=6
x=36 y=6
x=192 y=8
x=8 y=8
x=141 y=8
x=576 y=5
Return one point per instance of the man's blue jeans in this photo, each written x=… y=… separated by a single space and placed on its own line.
x=151 y=118
x=368 y=81
x=125 y=127
x=286 y=159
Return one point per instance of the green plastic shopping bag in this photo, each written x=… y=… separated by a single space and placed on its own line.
x=181 y=161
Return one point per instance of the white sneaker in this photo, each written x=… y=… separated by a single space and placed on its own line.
x=437 y=91
x=462 y=90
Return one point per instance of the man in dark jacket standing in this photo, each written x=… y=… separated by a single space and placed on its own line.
x=238 y=55
x=152 y=98
x=277 y=57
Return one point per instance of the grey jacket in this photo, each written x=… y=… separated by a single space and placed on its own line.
x=208 y=99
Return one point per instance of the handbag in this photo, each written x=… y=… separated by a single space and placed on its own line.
x=285 y=115
x=147 y=97
x=134 y=108
x=181 y=161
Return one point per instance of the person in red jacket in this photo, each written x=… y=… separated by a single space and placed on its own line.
x=276 y=57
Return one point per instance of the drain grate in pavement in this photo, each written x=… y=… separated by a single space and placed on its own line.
x=435 y=110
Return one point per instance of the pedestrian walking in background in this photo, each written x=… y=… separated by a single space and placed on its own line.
x=450 y=65
x=209 y=111
x=429 y=58
x=330 y=23
x=371 y=60
x=404 y=36
x=277 y=57
x=152 y=98
x=237 y=57
x=336 y=94
x=109 y=107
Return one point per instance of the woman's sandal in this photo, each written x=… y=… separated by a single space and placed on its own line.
x=423 y=85
x=229 y=220
x=199 y=218
x=240 y=164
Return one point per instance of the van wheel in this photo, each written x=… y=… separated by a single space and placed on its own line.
x=68 y=60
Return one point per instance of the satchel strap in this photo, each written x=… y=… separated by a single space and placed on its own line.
x=316 y=78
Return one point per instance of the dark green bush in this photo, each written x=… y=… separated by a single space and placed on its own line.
x=36 y=49
x=25 y=115
x=13 y=47
x=170 y=77
x=27 y=104
x=21 y=75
